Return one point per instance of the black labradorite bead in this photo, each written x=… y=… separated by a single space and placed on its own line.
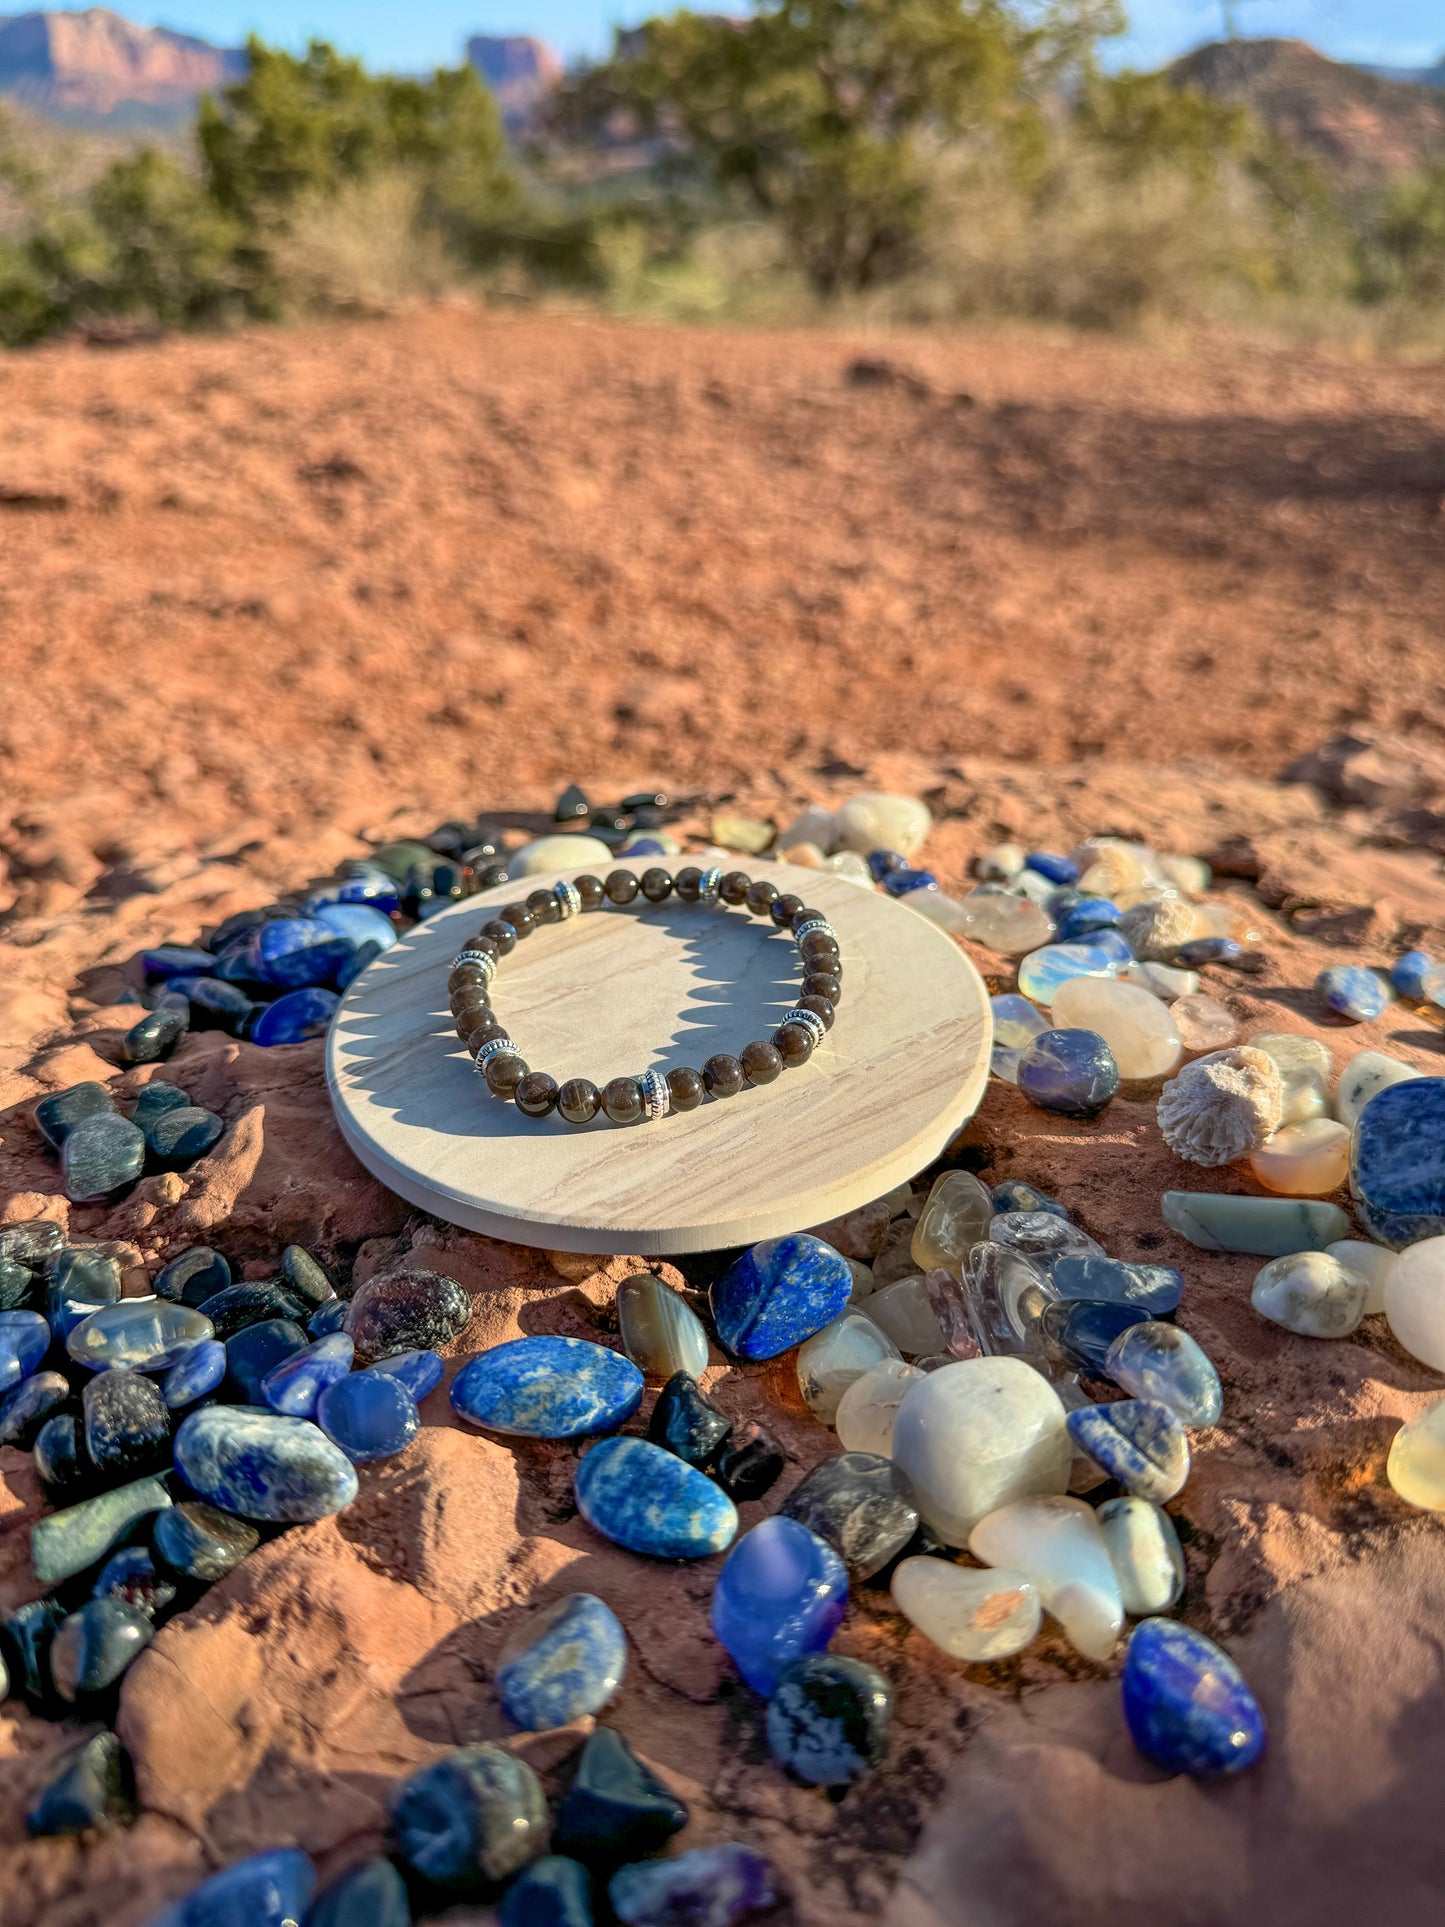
x=622 y=1100
x=505 y=1072
x=820 y=1007
x=760 y=898
x=536 y=1094
x=520 y=918
x=688 y=883
x=544 y=907
x=686 y=1423
x=491 y=875
x=723 y=1075
x=686 y=1088
x=761 y=1061
x=823 y=983
x=470 y=1003
x=590 y=890
x=749 y=1463
x=793 y=1044
x=502 y=935
x=579 y=1100
x=656 y=885
x=782 y=910
x=735 y=886
x=621 y=886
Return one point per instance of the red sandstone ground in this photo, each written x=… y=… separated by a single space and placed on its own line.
x=260 y=598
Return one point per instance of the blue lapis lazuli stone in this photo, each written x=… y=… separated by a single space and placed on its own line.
x=1137 y=1441
x=1349 y=991
x=260 y=1465
x=1063 y=900
x=297 y=951
x=1085 y=918
x=566 y=1662
x=294 y=1386
x=270 y=1889
x=901 y=883
x=1058 y=869
x=357 y=924
x=882 y=862
x=779 y=1293
x=294 y=1018
x=707 y=1887
x=330 y=1318
x=1397 y=1162
x=195 y=1373
x=652 y=1502
x=1156 y=1289
x=1186 y=1703
x=175 y=960
x=363 y=954
x=781 y=1594
x=369 y=1415
x=1072 y=1072
x=364 y=885
x=420 y=1372
x=1015 y=1195
x=1407 y=973
x=548 y=1388
x=24 y=1341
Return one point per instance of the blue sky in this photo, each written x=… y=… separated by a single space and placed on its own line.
x=1386 y=32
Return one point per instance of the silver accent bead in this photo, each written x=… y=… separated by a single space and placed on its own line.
x=710 y=885
x=811 y=1022
x=569 y=901
x=656 y=1097
x=486 y=1052
x=812 y=927
x=483 y=957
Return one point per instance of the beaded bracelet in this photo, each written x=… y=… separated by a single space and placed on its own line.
x=631 y=1100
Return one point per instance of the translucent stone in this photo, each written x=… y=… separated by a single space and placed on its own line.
x=142 y=1334
x=848 y=863
x=868 y=1409
x=1016 y=1023
x=1038 y=889
x=877 y=821
x=661 y=1333
x=814 y=826
x=1165 y=980
x=864 y=1283
x=1042 y=1236
x=1415 y=1301
x=1268 y=1227
x=1003 y=862
x=954 y=1219
x=1373 y=1263
x=974 y=1616
x=833 y=1358
x=1145 y=1553
x=1304 y=1160
x=1158 y=1361
x=949 y=1302
x=1203 y=1023
x=976 y=1435
x=571 y=851
x=1043 y=971
x=1057 y=1543
x=1006 y=1292
x=1310 y=1293
x=1188 y=873
x=1367 y=1072
x=1304 y=1065
x=1011 y=925
x=806 y=856
x=782 y=1592
x=1137 y=1027
x=904 y=1311
x=1416 y=1465
x=746 y=833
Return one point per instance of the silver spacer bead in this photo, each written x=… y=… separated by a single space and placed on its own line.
x=811 y=1022
x=656 y=1097
x=487 y=1052
x=812 y=927
x=707 y=890
x=483 y=957
x=568 y=899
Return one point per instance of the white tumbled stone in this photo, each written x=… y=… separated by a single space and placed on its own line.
x=1145 y=1553
x=1416 y=1465
x=815 y=826
x=903 y=1311
x=852 y=868
x=1165 y=980
x=939 y=907
x=1002 y=863
x=832 y=1358
x=1188 y=873
x=569 y=851
x=1415 y=1301
x=1374 y=1263
x=868 y=1410
x=1137 y=1027
x=1057 y=1542
x=1203 y=1023
x=1368 y=1072
x=1310 y=1293
x=1008 y=924
x=877 y=821
x=970 y=1615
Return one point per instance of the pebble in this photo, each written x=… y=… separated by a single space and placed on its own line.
x=572 y=852
x=197 y=1372
x=1203 y=1024
x=1016 y=1022
x=470 y=1818
x=131 y=1575
x=357 y=924
x=953 y=1220
x=1155 y=1289
x=142 y=1334
x=778 y=1294
x=157 y=1033
x=781 y=1594
x=127 y=1426
x=25 y=1637
x=100 y=1155
x=1408 y=974
x=406 y=1312
x=1310 y=1293
x=67 y=1542
x=270 y=1889
x=177 y=1138
x=1397 y=1162
x=193 y=1277
x=661 y=1334
x=18 y=1286
x=371 y=1895
x=707 y=1887
x=1083 y=1331
x=1043 y=971
x=94 y=1646
x=971 y=1615
x=262 y=1466
x=93 y=1791
x=1057 y=1543
x=1072 y=1072
x=1373 y=1263
x=616 y=1807
x=814 y=826
x=827 y=1721
x=1158 y=1361
x=750 y=1463
x=61 y=1465
x=420 y=1372
x=651 y=1502
x=552 y=1892
x=1266 y=1227
x=1416 y=1465
x=562 y=1663
x=834 y=1358
x=1138 y=1442
x=860 y=1505
x=1304 y=1160
x=879 y=821
x=254 y=1353
x=977 y=1434
x=1166 y=981
x=196 y=1541
x=294 y=1386
x=1015 y=1195
x=27 y=1406
x=332 y=1318
x=58 y=1115
x=213 y=1004
x=868 y=1409
x=1186 y=1703
x=24 y=1341
x=33 y=1240
x=1415 y=1301
x=1304 y=1065
x=306 y=1277
x=685 y=1422
x=154 y=1098
x=1003 y=862
x=748 y=834
x=294 y=1018
x=545 y=1387
x=298 y=952
x=903 y=1312
x=1043 y=1236
x=1079 y=922
x=1010 y=925
x=370 y=1415
x=1367 y=1072
x=1227 y=951
x=1144 y=1548
x=175 y=960
x=1004 y=1294
x=1360 y=995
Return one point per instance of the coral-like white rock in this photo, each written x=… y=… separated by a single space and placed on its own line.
x=1155 y=928
x=1222 y=1107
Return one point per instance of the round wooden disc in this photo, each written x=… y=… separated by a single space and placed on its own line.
x=620 y=991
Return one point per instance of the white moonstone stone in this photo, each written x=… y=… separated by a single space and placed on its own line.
x=902 y=1311
x=971 y=1615
x=1136 y=1026
x=1188 y=873
x=1002 y=863
x=1058 y=1544
x=1416 y=1465
x=868 y=1410
x=1304 y=1160
x=974 y=1436
x=832 y=1358
x=1374 y=1263
x=1367 y=1072
x=1304 y=1065
x=1144 y=1550
x=1415 y=1301
x=814 y=826
x=1016 y=1023
x=877 y=821
x=1031 y=884
x=1310 y=1293
x=572 y=851
x=1011 y=925
x=1203 y=1023
x=1165 y=980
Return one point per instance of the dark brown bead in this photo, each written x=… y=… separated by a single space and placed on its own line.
x=621 y=886
x=820 y=1007
x=793 y=1043
x=782 y=910
x=487 y=1033
x=520 y=918
x=818 y=946
x=686 y=1088
x=469 y=997
x=544 y=907
x=481 y=941
x=761 y=1061
x=579 y=1100
x=760 y=897
x=657 y=885
x=688 y=883
x=467 y=976
x=502 y=934
x=622 y=1100
x=505 y=1072
x=806 y=915
x=735 y=886
x=591 y=891
x=536 y=1094
x=823 y=983
x=723 y=1075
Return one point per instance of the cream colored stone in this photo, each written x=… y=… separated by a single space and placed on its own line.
x=746 y=833
x=1155 y=928
x=848 y=864
x=1304 y=1160
x=1415 y=1301
x=1137 y=1027
x=864 y=1283
x=1167 y=981
x=1008 y=924
x=1367 y=1072
x=1203 y=1023
x=831 y=1359
x=1416 y=1465
x=1310 y=1293
x=877 y=821
x=868 y=1410
x=1108 y=865
x=1304 y=1065
x=903 y=1311
x=953 y=1220
x=970 y=1615
x=1057 y=1543
x=1374 y=1264
x=976 y=1435
x=1188 y=873
x=1145 y=1553
x=805 y=856
x=1002 y=863
x=573 y=852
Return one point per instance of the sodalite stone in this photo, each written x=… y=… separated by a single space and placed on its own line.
x=363 y=883
x=1144 y=1549
x=778 y=1294
x=262 y=1466
x=1072 y=1072
x=372 y=1895
x=548 y=1388
x=331 y=1318
x=1351 y=992
x=828 y=1719
x=1157 y=1361
x=1186 y=1703
x=292 y=1019
x=781 y=1594
x=296 y=952
x=271 y=1889
x=1042 y=971
x=1397 y=1162
x=370 y=1415
x=143 y=1334
x=294 y=1386
x=651 y=1502
x=1139 y=1442
x=1058 y=869
x=357 y=924
x=1082 y=920
x=1408 y=974
x=24 y=1341
x=1156 y=1289
x=709 y=1887
x=253 y=1354
x=27 y=1406
x=420 y=1372
x=470 y=1819
x=566 y=1661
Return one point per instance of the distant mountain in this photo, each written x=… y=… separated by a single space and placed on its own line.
x=520 y=71
x=1415 y=76
x=95 y=70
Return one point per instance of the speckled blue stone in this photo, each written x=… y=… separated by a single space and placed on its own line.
x=24 y=1341
x=642 y=846
x=1186 y=1703
x=1407 y=973
x=270 y=1889
x=778 y=1294
x=901 y=883
x=370 y=1415
x=1042 y=971
x=358 y=924
x=330 y=1318
x=882 y=862
x=262 y=1466
x=297 y=951
x=420 y=1372
x=568 y=1660
x=363 y=954
x=652 y=1502
x=1208 y=950
x=1062 y=900
x=1085 y=1330
x=292 y=1019
x=708 y=1887
x=1069 y=1071
x=1397 y=1162
x=365 y=884
x=195 y=1373
x=1137 y=1441
x=294 y=1386
x=1360 y=995
x=1158 y=1361
x=548 y=1388
x=781 y=1594
x=1089 y=915
x=1156 y=1289
x=1015 y=1195
x=1058 y=869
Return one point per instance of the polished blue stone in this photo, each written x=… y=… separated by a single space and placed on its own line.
x=214 y=1005
x=882 y=862
x=1158 y=1361
x=1111 y=944
x=262 y=1466
x=254 y=1352
x=1407 y=973
x=708 y=1887
x=1088 y=916
x=642 y=846
x=1397 y=1162
x=779 y=1293
x=827 y=1722
x=567 y=1661
x=369 y=1415
x=548 y=1388
x=901 y=883
x=470 y=1819
x=1155 y=1289
x=420 y=1372
x=1069 y=1071
x=1186 y=1703
x=175 y=960
x=363 y=954
x=330 y=1318
x=552 y=1892
x=291 y=1019
x=364 y=884
x=1085 y=1330
x=297 y=1382
x=1043 y=970
x=358 y=923
x=1015 y=1195
x=270 y=1889
x=1208 y=950
x=1137 y=1441
x=198 y=1370
x=652 y=1502
x=1349 y=991
x=1062 y=900
x=24 y=1341
x=371 y=1895
x=781 y=1594
x=297 y=951
x=1058 y=869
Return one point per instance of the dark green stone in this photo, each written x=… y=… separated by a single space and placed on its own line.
x=616 y=1809
x=34 y=1240
x=127 y=1426
x=157 y=1033
x=177 y=1138
x=306 y=1277
x=197 y=1541
x=193 y=1277
x=65 y=1543
x=155 y=1098
x=94 y=1646
x=58 y=1115
x=101 y=1154
x=93 y=1791
x=19 y=1286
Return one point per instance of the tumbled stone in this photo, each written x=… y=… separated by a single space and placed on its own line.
x=131 y=1575
x=155 y=1097
x=251 y=1302
x=684 y=1421
x=20 y=1289
x=545 y=1387
x=661 y=1334
x=1016 y=1022
x=420 y=1372
x=27 y=1406
x=26 y=1636
x=1072 y=1072
x=868 y=1410
x=1057 y=1543
x=468 y=1820
x=748 y=834
x=562 y=1663
x=293 y=1019
x=706 y=1887
x=1408 y=974
x=1004 y=1293
x=1166 y=981
x=1304 y=1160
x=177 y=1138
x=1079 y=921
x=404 y=1312
x=1360 y=995
x=214 y=1004
x=294 y=1385
x=570 y=851
x=93 y=1647
x=1373 y=1263
x=1156 y=1289
x=78 y=1282
x=1397 y=1162
x=371 y=1895
x=1139 y=1030
x=370 y=1415
x=1081 y=1331
x=61 y=1465
x=1310 y=1293
x=199 y=1542
x=175 y=960
x=903 y=1311
x=270 y=1889
x=33 y=1241
x=193 y=1277
x=1139 y=1442
x=157 y=1033
x=953 y=1220
x=1415 y=1301
x=970 y=1615
x=262 y=1466
x=749 y=1462
x=1008 y=924
x=196 y=1373
x=306 y=1277
x=1144 y=1550
x=781 y=1594
x=616 y=1807
x=254 y=1353
x=1043 y=971
x=127 y=1426
x=1044 y=1236
x=977 y=1434
x=24 y=1341
x=332 y=1318
x=1416 y=1465
x=833 y=1358
x=1222 y=1106
x=878 y=821
x=859 y=1504
x=1186 y=1703
x=1304 y=1065
x=651 y=1502
x=139 y=1334
x=948 y=1300
x=92 y=1792
x=1203 y=1023
x=101 y=1155
x=1158 y=1361
x=56 y=1117
x=1267 y=1227
x=1368 y=1072
x=778 y=1294
x=552 y=1892
x=297 y=952
x=828 y=1719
